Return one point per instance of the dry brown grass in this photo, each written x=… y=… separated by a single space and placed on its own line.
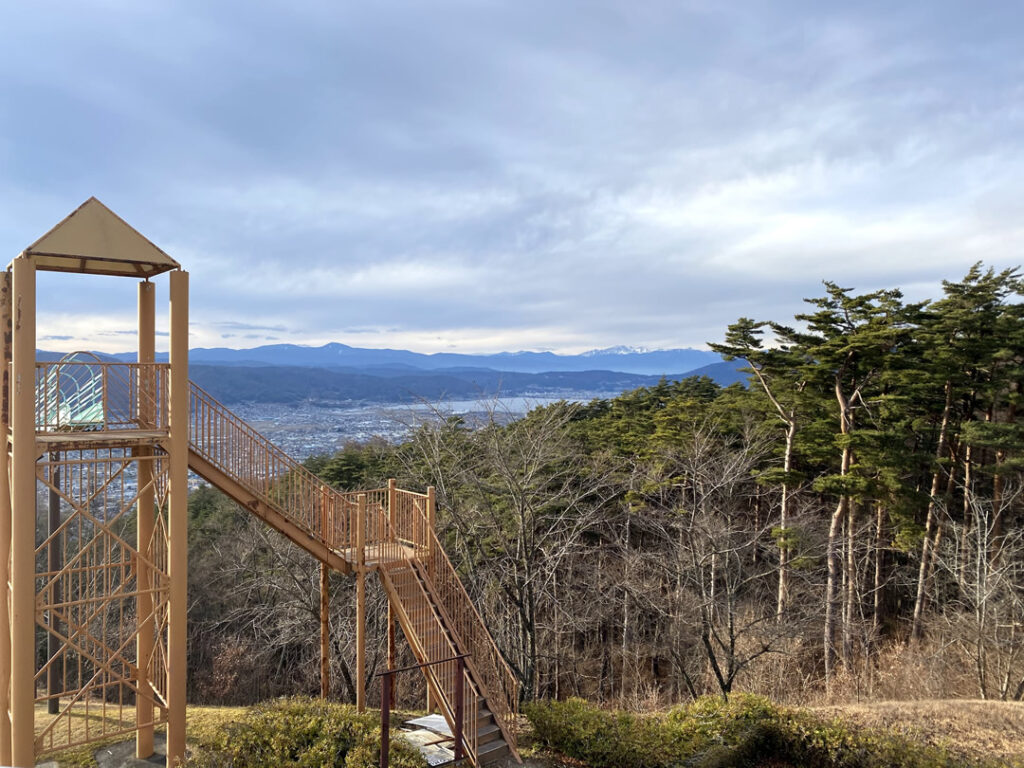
x=975 y=728
x=202 y=723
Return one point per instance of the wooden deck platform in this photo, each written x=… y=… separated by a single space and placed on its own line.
x=87 y=440
x=379 y=554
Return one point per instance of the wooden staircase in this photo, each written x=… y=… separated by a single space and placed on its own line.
x=424 y=623
x=387 y=530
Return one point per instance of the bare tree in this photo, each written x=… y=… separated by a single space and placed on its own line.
x=985 y=609
x=716 y=559
x=519 y=496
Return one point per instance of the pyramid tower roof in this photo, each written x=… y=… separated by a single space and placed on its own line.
x=94 y=240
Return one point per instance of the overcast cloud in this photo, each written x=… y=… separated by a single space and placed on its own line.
x=481 y=176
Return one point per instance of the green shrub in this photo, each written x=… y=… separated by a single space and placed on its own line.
x=712 y=733
x=301 y=733
x=601 y=739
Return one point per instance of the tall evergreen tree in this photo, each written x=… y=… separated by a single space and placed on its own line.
x=846 y=348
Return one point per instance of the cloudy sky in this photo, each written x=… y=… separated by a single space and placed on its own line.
x=485 y=175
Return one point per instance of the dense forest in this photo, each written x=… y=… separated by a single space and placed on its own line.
x=846 y=526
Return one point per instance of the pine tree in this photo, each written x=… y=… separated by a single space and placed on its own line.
x=847 y=348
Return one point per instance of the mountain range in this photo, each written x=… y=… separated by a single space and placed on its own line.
x=334 y=355
x=332 y=373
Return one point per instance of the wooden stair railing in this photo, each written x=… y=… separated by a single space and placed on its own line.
x=436 y=613
x=217 y=437
x=411 y=523
x=433 y=644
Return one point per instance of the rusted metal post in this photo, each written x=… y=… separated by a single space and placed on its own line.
x=55 y=672
x=5 y=520
x=385 y=718
x=144 y=520
x=361 y=603
x=178 y=518
x=460 y=670
x=325 y=632
x=23 y=514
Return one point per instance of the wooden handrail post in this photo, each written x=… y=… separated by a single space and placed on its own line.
x=385 y=718
x=360 y=542
x=392 y=504
x=460 y=673
x=389 y=682
x=325 y=532
x=361 y=603
x=392 y=646
x=431 y=525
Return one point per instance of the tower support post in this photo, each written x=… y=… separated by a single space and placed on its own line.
x=23 y=514
x=144 y=521
x=5 y=521
x=177 y=517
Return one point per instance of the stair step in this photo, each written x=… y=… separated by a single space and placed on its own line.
x=492 y=751
x=488 y=734
x=483 y=717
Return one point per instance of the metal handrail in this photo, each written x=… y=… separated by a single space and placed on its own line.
x=91 y=395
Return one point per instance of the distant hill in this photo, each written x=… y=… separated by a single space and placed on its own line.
x=333 y=355
x=723 y=373
x=286 y=384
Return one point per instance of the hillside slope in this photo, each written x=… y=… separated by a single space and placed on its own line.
x=973 y=727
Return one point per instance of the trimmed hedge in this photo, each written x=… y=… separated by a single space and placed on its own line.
x=301 y=732
x=712 y=733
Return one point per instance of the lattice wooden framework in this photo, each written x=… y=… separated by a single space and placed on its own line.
x=92 y=603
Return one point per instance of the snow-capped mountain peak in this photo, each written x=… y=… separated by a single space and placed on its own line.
x=619 y=350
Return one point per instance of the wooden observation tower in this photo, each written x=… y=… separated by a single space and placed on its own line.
x=93 y=529
x=103 y=583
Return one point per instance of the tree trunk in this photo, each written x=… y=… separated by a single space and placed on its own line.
x=851 y=582
x=878 y=606
x=831 y=588
x=787 y=464
x=998 y=485
x=929 y=524
x=835 y=542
